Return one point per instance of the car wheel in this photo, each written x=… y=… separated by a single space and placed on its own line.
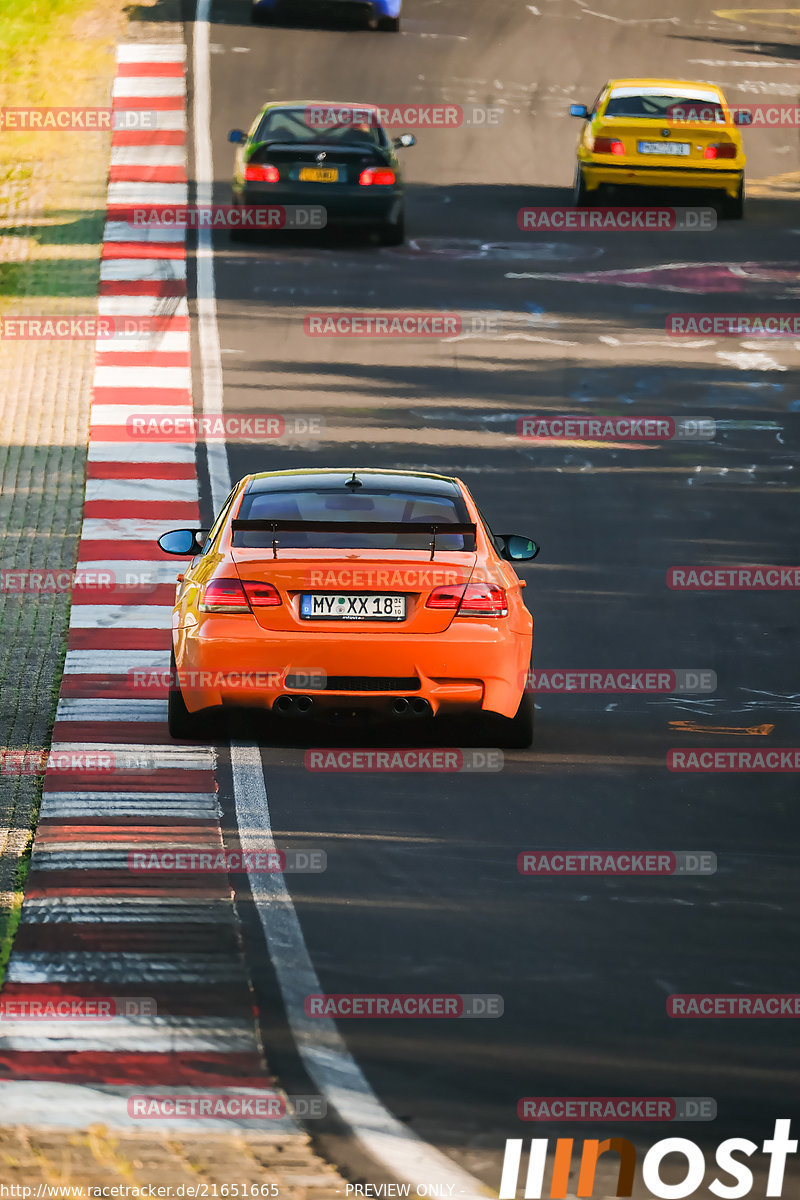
x=580 y=195
x=512 y=733
x=388 y=24
x=733 y=206
x=261 y=16
x=180 y=722
x=393 y=235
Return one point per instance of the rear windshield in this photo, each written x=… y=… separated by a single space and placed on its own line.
x=345 y=507
x=297 y=125
x=667 y=107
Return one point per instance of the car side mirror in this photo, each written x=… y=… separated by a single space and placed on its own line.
x=184 y=542
x=236 y=136
x=742 y=116
x=579 y=110
x=516 y=548
x=404 y=141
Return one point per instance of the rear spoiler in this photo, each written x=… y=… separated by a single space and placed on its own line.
x=434 y=528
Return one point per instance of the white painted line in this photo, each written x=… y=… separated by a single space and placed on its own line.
x=119 y=415
x=79 y=708
x=147 y=87
x=151 y=52
x=80 y=1106
x=120 y=910
x=126 y=231
x=147 y=810
x=142 y=306
x=99 y=528
x=143 y=377
x=145 y=194
x=114 y=662
x=121 y=616
x=138 y=489
x=135 y=270
x=151 y=341
x=85 y=966
x=147 y=1034
x=129 y=570
x=129 y=451
x=148 y=156
x=169 y=755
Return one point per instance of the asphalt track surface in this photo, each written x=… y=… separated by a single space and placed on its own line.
x=422 y=891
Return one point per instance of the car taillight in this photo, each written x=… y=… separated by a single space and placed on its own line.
x=224 y=595
x=382 y=176
x=607 y=145
x=724 y=150
x=475 y=600
x=261 y=595
x=259 y=173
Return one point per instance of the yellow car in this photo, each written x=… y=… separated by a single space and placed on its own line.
x=663 y=133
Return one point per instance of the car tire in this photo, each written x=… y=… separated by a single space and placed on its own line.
x=580 y=195
x=733 y=206
x=180 y=722
x=388 y=24
x=512 y=733
x=393 y=234
x=261 y=16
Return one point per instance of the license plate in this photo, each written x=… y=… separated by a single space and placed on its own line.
x=319 y=175
x=664 y=147
x=344 y=606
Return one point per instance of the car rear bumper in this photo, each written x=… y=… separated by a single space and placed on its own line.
x=624 y=174
x=345 y=206
x=366 y=9
x=468 y=666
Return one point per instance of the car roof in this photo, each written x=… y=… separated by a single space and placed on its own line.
x=399 y=481
x=359 y=104
x=656 y=81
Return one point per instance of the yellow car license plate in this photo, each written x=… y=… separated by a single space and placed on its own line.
x=319 y=174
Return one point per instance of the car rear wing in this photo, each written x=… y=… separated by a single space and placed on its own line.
x=434 y=528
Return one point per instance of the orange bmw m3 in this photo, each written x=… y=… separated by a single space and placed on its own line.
x=331 y=591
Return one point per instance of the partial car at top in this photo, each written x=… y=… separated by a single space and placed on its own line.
x=382 y=14
x=326 y=153
x=661 y=133
x=365 y=591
